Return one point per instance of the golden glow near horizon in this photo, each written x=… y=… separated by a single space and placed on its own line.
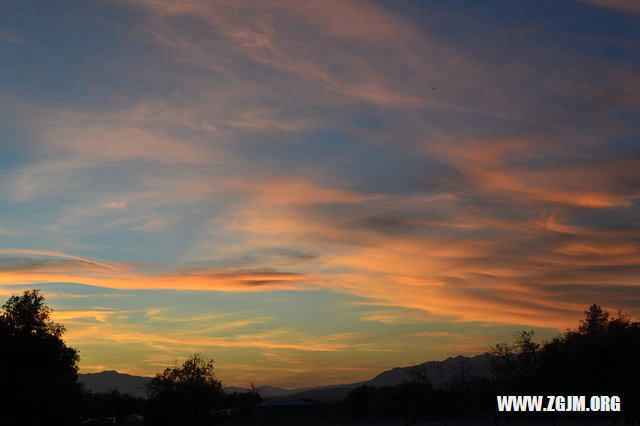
x=313 y=192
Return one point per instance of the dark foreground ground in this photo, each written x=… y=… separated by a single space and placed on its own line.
x=474 y=422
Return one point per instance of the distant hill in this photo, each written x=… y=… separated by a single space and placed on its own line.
x=265 y=391
x=438 y=372
x=108 y=380
x=478 y=366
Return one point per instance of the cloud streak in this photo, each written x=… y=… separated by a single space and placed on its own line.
x=424 y=158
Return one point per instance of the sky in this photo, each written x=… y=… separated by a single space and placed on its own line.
x=314 y=192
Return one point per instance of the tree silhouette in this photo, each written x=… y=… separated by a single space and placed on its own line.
x=185 y=392
x=519 y=358
x=421 y=373
x=38 y=371
x=602 y=355
x=595 y=321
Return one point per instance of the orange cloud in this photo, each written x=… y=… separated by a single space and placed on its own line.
x=289 y=191
x=63 y=316
x=276 y=339
x=495 y=239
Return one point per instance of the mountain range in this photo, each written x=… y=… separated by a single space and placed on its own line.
x=438 y=373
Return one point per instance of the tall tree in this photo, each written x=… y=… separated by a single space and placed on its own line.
x=38 y=371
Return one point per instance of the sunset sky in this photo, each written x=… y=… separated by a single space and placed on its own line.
x=314 y=192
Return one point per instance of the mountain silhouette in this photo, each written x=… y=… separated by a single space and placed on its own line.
x=478 y=366
x=109 y=380
x=438 y=373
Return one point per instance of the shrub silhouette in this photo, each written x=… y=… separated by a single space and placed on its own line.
x=111 y=404
x=38 y=371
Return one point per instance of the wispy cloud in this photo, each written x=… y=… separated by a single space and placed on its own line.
x=10 y=38
x=486 y=175
x=620 y=5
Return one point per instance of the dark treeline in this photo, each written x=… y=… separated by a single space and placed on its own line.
x=38 y=373
x=600 y=357
x=100 y=405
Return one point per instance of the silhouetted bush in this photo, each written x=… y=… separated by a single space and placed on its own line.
x=243 y=402
x=111 y=404
x=185 y=393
